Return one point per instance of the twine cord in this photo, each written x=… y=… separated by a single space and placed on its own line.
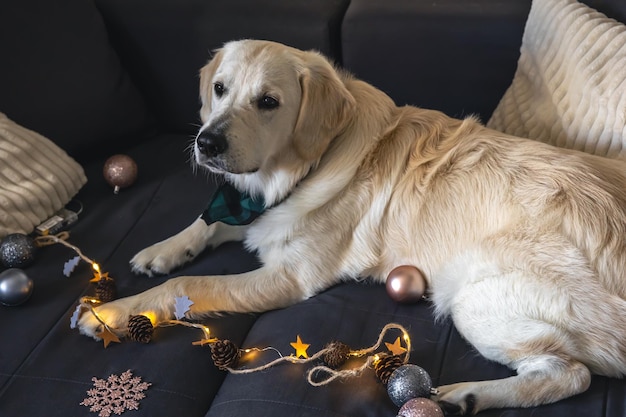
x=61 y=238
x=333 y=374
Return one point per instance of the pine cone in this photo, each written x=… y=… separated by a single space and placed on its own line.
x=225 y=354
x=106 y=290
x=386 y=365
x=338 y=353
x=140 y=328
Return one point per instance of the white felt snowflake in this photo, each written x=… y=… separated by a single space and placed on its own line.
x=115 y=394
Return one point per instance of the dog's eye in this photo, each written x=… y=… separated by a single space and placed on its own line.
x=219 y=89
x=267 y=103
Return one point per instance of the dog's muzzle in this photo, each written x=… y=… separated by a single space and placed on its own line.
x=211 y=143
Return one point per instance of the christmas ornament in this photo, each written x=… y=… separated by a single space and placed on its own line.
x=181 y=306
x=140 y=328
x=75 y=317
x=408 y=381
x=108 y=337
x=69 y=266
x=337 y=354
x=406 y=284
x=120 y=171
x=17 y=250
x=385 y=366
x=420 y=407
x=396 y=347
x=15 y=287
x=116 y=394
x=300 y=348
x=106 y=290
x=225 y=354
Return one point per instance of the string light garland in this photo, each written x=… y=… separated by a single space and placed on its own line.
x=408 y=385
x=405 y=382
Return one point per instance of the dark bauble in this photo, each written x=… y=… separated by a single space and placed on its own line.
x=15 y=287
x=408 y=381
x=17 y=250
x=120 y=171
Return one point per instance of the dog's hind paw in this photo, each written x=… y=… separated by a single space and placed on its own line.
x=457 y=399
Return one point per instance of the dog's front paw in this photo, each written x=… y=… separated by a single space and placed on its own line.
x=161 y=258
x=457 y=399
x=114 y=314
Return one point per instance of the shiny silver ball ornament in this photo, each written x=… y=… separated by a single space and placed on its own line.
x=120 y=171
x=420 y=407
x=17 y=250
x=407 y=382
x=15 y=287
x=406 y=284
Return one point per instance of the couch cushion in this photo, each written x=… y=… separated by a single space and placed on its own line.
x=450 y=55
x=37 y=178
x=569 y=86
x=61 y=78
x=165 y=49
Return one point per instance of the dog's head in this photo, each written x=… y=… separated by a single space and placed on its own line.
x=266 y=108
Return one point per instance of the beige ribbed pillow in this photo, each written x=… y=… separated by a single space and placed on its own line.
x=37 y=178
x=570 y=86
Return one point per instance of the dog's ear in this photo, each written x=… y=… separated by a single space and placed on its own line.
x=206 y=82
x=325 y=108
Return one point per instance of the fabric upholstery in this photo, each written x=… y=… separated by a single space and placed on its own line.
x=61 y=78
x=421 y=53
x=164 y=52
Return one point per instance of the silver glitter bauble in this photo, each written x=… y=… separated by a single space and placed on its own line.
x=15 y=287
x=17 y=250
x=420 y=407
x=408 y=381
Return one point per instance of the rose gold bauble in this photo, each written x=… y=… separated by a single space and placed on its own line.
x=120 y=171
x=406 y=284
x=420 y=407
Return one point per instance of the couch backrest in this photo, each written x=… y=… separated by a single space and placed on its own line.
x=457 y=56
x=60 y=77
x=164 y=43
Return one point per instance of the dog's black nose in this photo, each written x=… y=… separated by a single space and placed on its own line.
x=211 y=143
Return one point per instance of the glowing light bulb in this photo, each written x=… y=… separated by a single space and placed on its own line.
x=151 y=315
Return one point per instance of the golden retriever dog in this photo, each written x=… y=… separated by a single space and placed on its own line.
x=522 y=244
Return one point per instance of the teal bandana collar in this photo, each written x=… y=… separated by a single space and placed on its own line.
x=229 y=205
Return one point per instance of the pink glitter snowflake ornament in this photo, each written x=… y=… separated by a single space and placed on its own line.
x=115 y=394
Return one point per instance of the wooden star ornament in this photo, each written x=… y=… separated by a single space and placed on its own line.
x=108 y=337
x=300 y=348
x=396 y=347
x=97 y=276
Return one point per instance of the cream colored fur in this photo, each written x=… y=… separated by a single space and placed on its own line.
x=521 y=243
